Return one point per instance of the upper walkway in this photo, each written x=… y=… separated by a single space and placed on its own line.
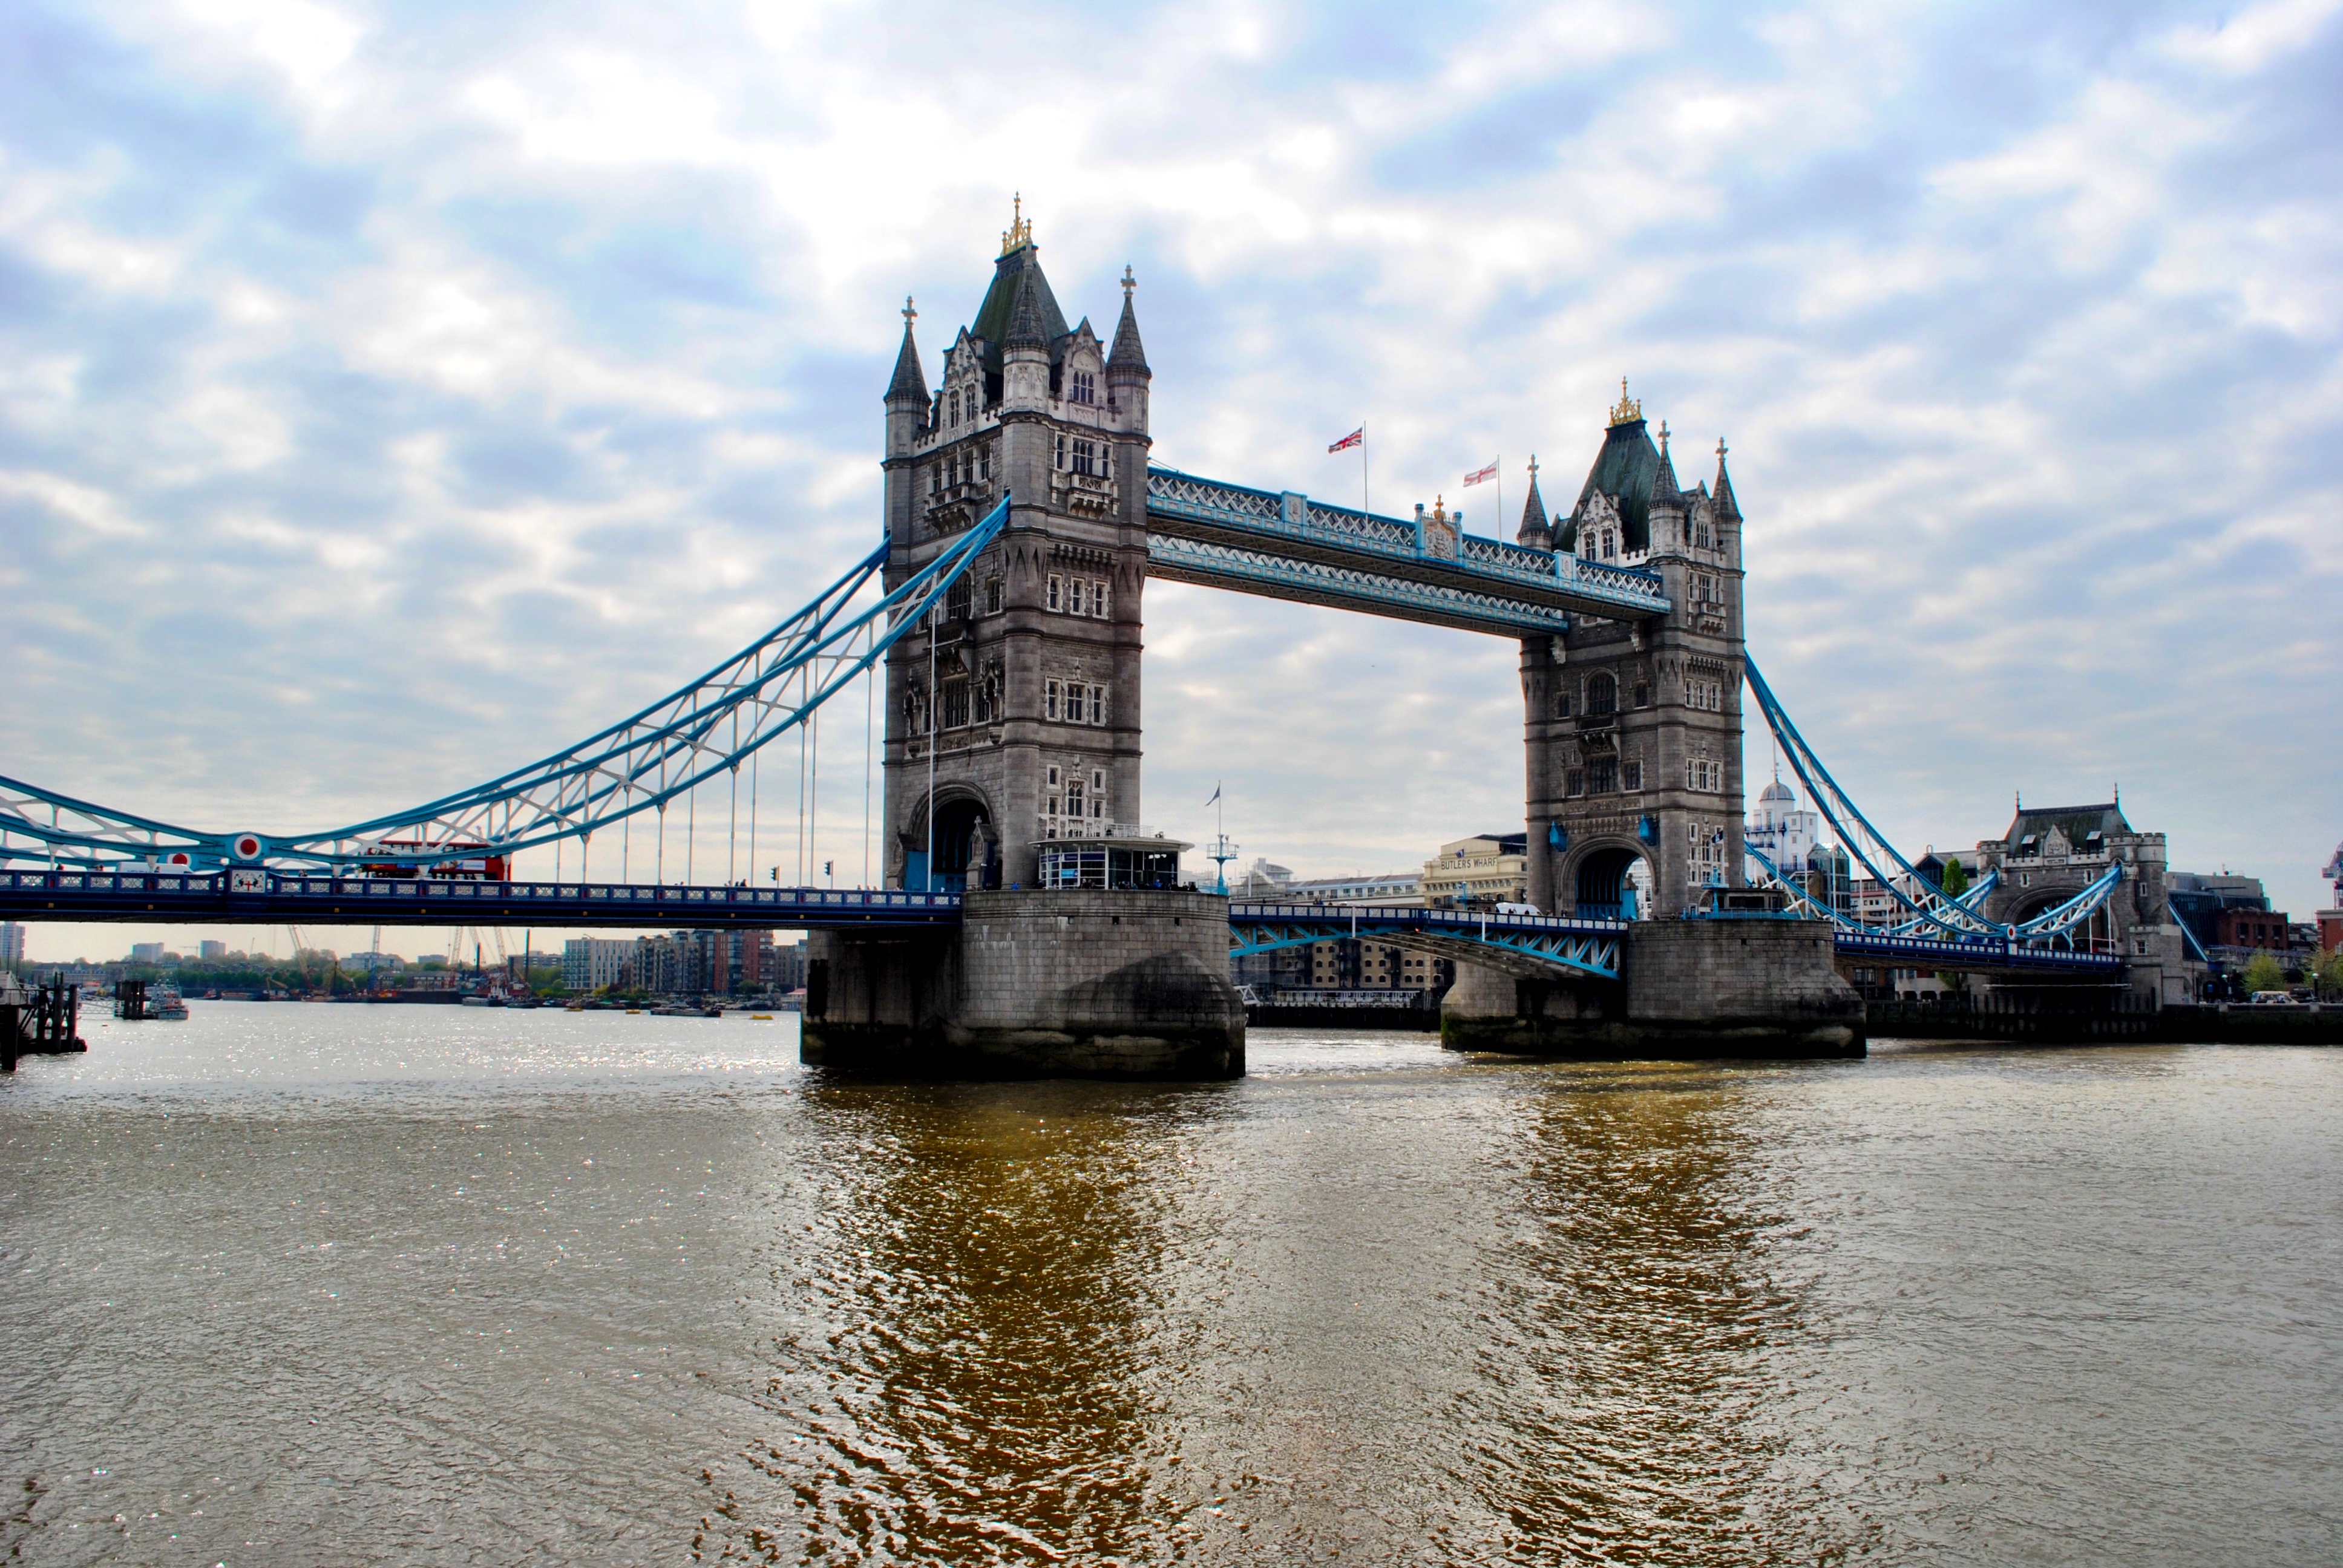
x=1284 y=545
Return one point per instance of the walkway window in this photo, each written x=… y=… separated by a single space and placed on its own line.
x=1602 y=695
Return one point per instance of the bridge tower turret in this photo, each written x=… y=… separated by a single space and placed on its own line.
x=1633 y=728
x=1017 y=710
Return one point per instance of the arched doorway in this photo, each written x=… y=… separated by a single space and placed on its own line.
x=1614 y=883
x=968 y=852
x=967 y=847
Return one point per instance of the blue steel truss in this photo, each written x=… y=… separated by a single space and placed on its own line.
x=1970 y=953
x=1523 y=944
x=706 y=730
x=1928 y=913
x=1284 y=545
x=1213 y=565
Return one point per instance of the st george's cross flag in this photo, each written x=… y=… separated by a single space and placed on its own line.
x=1478 y=475
x=1352 y=439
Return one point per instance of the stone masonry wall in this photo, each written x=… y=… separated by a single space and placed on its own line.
x=1036 y=984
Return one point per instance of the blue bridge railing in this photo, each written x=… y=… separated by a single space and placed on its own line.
x=259 y=897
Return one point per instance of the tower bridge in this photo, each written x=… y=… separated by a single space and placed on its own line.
x=1026 y=923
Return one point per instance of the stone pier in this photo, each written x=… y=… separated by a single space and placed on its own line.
x=1691 y=989
x=1066 y=984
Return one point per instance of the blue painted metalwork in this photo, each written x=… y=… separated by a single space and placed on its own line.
x=1870 y=847
x=1539 y=944
x=259 y=895
x=1897 y=944
x=1927 y=908
x=1265 y=542
x=1970 y=953
x=1267 y=572
x=706 y=730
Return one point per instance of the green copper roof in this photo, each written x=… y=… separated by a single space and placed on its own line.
x=1019 y=305
x=1623 y=470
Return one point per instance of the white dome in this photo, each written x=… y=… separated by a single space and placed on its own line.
x=1777 y=790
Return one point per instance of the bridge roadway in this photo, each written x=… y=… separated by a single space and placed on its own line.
x=1529 y=946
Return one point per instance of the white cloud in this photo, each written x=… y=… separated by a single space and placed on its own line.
x=483 y=382
x=2251 y=40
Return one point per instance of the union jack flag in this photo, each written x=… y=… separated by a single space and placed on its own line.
x=1352 y=439
x=1478 y=475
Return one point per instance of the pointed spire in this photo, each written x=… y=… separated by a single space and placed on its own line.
x=909 y=385
x=1725 y=506
x=1027 y=326
x=1127 y=354
x=1536 y=531
x=1664 y=489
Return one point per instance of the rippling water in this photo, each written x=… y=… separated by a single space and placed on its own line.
x=342 y=1284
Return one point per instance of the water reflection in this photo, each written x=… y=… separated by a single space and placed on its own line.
x=967 y=1379
x=600 y=1288
x=1628 y=1405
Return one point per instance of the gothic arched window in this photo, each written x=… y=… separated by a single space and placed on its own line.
x=955 y=409
x=1602 y=694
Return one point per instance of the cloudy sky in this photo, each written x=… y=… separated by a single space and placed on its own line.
x=389 y=395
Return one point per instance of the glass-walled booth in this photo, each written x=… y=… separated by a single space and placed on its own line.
x=1124 y=864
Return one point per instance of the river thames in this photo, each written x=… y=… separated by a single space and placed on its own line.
x=323 y=1284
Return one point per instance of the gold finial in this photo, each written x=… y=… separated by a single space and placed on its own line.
x=1020 y=228
x=1439 y=510
x=910 y=315
x=1629 y=410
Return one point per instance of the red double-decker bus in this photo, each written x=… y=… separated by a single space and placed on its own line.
x=464 y=862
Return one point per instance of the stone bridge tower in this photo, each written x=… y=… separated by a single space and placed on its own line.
x=1633 y=728
x=2050 y=854
x=1020 y=703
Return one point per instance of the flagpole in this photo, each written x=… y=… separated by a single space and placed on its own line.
x=1498 y=533
x=1367 y=503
